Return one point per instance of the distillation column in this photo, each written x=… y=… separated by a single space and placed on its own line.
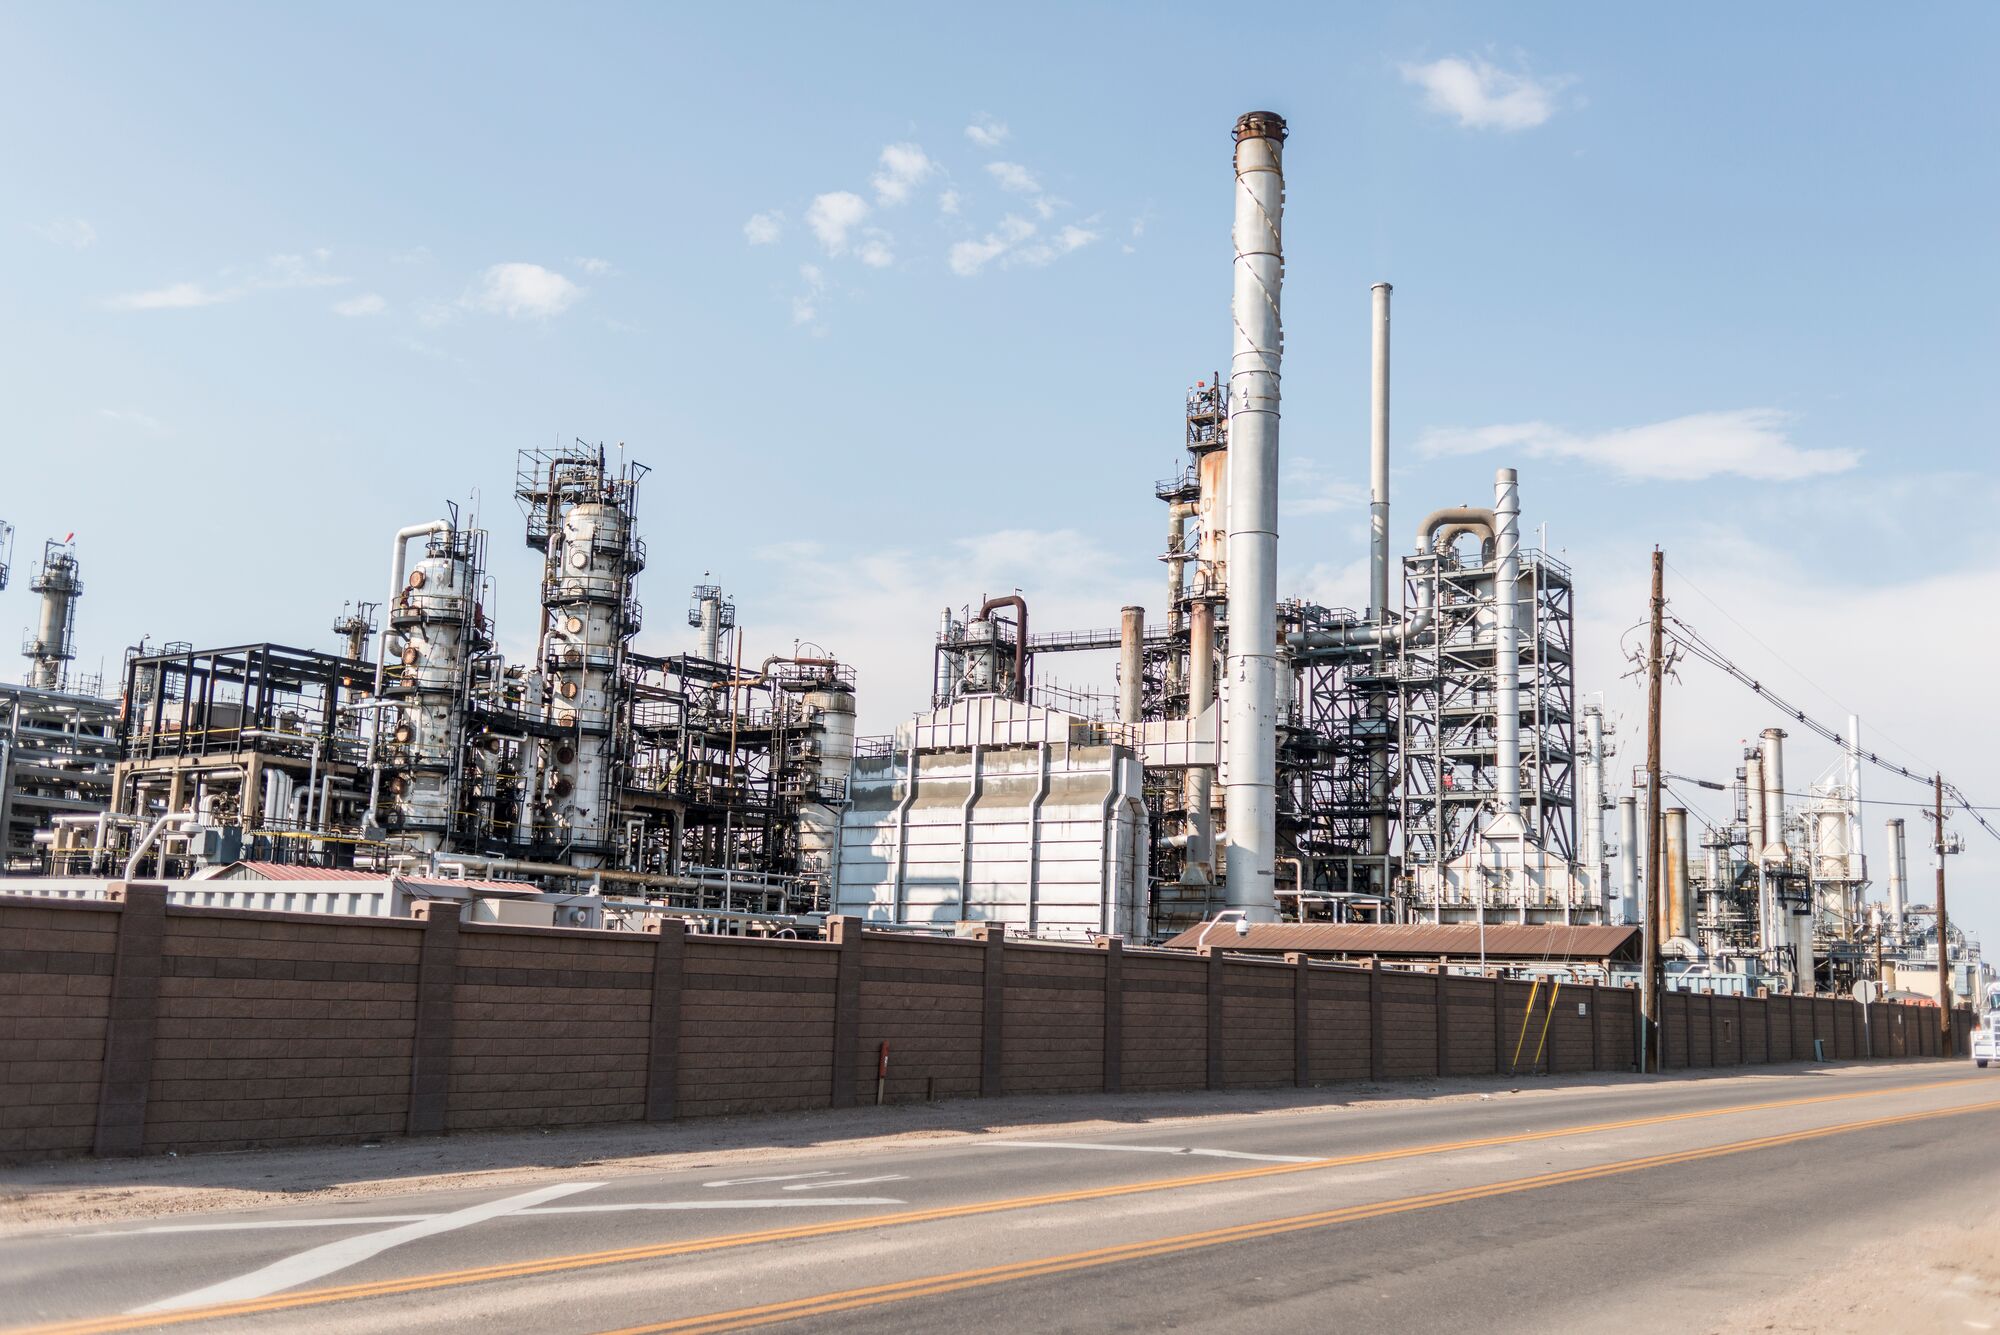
x=53 y=645
x=1251 y=673
x=432 y=619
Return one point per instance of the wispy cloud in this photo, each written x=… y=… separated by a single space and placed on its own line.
x=805 y=305
x=1482 y=96
x=74 y=233
x=1750 y=443
x=948 y=202
x=1017 y=241
x=133 y=417
x=764 y=229
x=592 y=265
x=1014 y=177
x=277 y=273
x=902 y=166
x=368 y=303
x=1311 y=490
x=520 y=290
x=987 y=132
x=833 y=216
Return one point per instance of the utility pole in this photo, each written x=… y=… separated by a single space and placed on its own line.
x=1649 y=985
x=1946 y=1042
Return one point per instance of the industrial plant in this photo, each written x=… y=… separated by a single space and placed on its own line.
x=1419 y=761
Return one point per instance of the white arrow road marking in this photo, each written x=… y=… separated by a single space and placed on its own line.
x=248 y=1225
x=780 y=1177
x=1157 y=1149
x=849 y=1182
x=328 y=1258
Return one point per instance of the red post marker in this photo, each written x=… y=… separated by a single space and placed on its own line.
x=881 y=1073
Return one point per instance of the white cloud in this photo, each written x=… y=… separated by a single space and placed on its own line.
x=368 y=303
x=987 y=132
x=591 y=265
x=874 y=249
x=1013 y=176
x=764 y=229
x=74 y=233
x=1014 y=242
x=133 y=417
x=805 y=306
x=902 y=167
x=277 y=273
x=833 y=215
x=517 y=289
x=969 y=257
x=1482 y=96
x=1748 y=442
x=172 y=297
x=1309 y=489
x=948 y=202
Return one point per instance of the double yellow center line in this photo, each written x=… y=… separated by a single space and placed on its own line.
x=659 y=1251
x=932 y=1286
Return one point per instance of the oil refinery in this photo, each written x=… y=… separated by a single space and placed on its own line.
x=1425 y=759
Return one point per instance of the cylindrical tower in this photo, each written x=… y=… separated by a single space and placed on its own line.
x=1773 y=752
x=1506 y=641
x=830 y=710
x=433 y=618
x=591 y=617
x=53 y=644
x=1899 y=872
x=1251 y=674
x=1198 y=785
x=1628 y=858
x=1131 y=664
x=1680 y=904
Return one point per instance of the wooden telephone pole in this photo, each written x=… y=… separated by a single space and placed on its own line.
x=1947 y=1040
x=1649 y=983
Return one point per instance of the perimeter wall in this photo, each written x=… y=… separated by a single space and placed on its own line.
x=133 y=1027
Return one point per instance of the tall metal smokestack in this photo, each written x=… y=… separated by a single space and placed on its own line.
x=1899 y=873
x=1506 y=640
x=1197 y=790
x=1753 y=805
x=1131 y=664
x=1680 y=912
x=1774 y=796
x=1251 y=673
x=1378 y=462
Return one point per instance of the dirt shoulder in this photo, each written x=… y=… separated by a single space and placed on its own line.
x=68 y=1193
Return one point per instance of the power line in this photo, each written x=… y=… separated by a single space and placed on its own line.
x=1686 y=638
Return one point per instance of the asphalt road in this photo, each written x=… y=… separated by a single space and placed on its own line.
x=1634 y=1206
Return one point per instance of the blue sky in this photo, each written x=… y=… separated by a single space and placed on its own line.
x=276 y=281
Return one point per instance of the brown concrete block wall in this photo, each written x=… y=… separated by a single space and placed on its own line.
x=1337 y=1032
x=756 y=1027
x=548 y=1029
x=55 y=996
x=1572 y=1038
x=280 y=1029
x=1258 y=1010
x=1408 y=1025
x=1165 y=1022
x=1053 y=1020
x=1469 y=1031
x=924 y=997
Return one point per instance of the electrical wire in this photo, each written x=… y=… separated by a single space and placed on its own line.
x=1689 y=640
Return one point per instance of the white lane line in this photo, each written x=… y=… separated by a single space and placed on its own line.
x=814 y=1202
x=1158 y=1149
x=318 y=1262
x=849 y=1182
x=254 y=1225
x=777 y=1177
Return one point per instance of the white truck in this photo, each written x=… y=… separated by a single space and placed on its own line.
x=1986 y=1039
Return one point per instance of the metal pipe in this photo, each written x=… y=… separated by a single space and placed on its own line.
x=1197 y=787
x=1628 y=858
x=1020 y=606
x=1506 y=640
x=1899 y=873
x=1131 y=664
x=1250 y=738
x=153 y=832
x=1753 y=805
x=1590 y=795
x=1774 y=796
x=1680 y=917
x=1378 y=460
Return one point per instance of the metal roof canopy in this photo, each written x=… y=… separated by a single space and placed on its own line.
x=1509 y=941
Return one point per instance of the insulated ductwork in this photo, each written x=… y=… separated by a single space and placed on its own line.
x=1506 y=641
x=1251 y=676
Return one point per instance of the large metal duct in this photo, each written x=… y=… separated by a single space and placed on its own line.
x=1774 y=797
x=1506 y=640
x=1131 y=664
x=1251 y=674
x=1378 y=461
x=1899 y=872
x=1628 y=858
